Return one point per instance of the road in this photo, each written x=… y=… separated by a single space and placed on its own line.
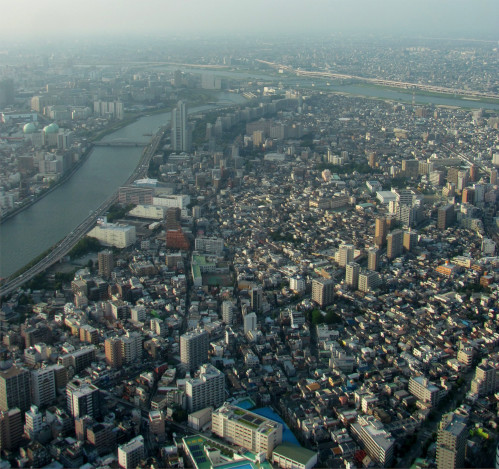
x=62 y=248
x=431 y=426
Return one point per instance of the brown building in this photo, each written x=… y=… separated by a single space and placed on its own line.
x=114 y=355
x=11 y=429
x=380 y=231
x=106 y=263
x=15 y=389
x=176 y=239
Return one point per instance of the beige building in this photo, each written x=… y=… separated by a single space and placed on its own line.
x=451 y=442
x=246 y=429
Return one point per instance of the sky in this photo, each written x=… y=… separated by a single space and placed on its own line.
x=440 y=18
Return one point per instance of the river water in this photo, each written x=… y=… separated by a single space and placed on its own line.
x=34 y=230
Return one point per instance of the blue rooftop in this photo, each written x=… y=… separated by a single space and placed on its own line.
x=287 y=434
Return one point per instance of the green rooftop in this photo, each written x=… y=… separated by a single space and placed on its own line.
x=295 y=453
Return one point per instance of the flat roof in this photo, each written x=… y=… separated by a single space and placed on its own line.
x=295 y=453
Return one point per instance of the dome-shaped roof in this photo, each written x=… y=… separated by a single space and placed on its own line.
x=29 y=128
x=51 y=129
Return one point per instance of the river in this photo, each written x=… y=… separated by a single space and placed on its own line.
x=34 y=230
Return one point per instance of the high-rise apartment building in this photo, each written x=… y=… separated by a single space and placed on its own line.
x=82 y=399
x=352 y=274
x=124 y=349
x=112 y=348
x=451 y=442
x=410 y=240
x=322 y=291
x=250 y=322
x=368 y=280
x=256 y=297
x=380 y=231
x=373 y=259
x=130 y=454
x=43 y=386
x=228 y=309
x=15 y=389
x=485 y=380
x=11 y=429
x=345 y=254
x=106 y=262
x=207 y=389
x=377 y=442
x=194 y=348
x=445 y=216
x=180 y=135
x=394 y=244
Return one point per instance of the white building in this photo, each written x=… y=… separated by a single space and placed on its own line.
x=111 y=234
x=377 y=442
x=33 y=421
x=130 y=454
x=424 y=390
x=208 y=389
x=297 y=284
x=151 y=212
x=209 y=245
x=368 y=280
x=250 y=322
x=43 y=386
x=175 y=201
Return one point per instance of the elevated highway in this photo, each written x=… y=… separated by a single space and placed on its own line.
x=63 y=247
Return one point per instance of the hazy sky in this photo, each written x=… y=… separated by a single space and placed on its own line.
x=459 y=18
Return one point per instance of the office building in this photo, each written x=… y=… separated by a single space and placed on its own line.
x=82 y=399
x=43 y=386
x=131 y=453
x=394 y=244
x=424 y=390
x=180 y=134
x=15 y=389
x=194 y=348
x=205 y=390
x=380 y=231
x=376 y=441
x=485 y=380
x=243 y=428
x=445 y=217
x=322 y=291
x=106 y=263
x=11 y=429
x=352 y=274
x=451 y=442
x=373 y=259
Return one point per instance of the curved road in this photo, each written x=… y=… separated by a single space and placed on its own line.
x=62 y=248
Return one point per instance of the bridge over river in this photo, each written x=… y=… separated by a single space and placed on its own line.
x=119 y=143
